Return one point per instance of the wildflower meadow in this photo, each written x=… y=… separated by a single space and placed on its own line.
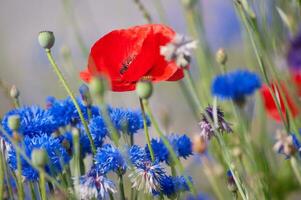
x=167 y=105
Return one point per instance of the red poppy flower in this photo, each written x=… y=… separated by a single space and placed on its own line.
x=128 y=55
x=270 y=104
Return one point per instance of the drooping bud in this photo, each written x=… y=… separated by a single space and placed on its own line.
x=46 y=39
x=144 y=89
x=14 y=122
x=221 y=56
x=39 y=157
x=98 y=86
x=232 y=187
x=14 y=92
x=85 y=94
x=199 y=144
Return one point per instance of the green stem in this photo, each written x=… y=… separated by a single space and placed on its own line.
x=16 y=102
x=143 y=10
x=121 y=188
x=42 y=185
x=296 y=171
x=104 y=111
x=193 y=89
x=173 y=170
x=168 y=146
x=32 y=191
x=226 y=155
x=19 y=175
x=7 y=177
x=147 y=137
x=70 y=93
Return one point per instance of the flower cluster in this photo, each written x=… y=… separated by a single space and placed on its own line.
x=57 y=155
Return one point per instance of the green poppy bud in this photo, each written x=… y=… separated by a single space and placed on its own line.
x=39 y=157
x=97 y=86
x=46 y=39
x=144 y=89
x=14 y=122
x=221 y=56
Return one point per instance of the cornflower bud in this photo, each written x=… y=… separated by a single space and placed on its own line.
x=221 y=56
x=85 y=94
x=144 y=89
x=199 y=144
x=46 y=39
x=14 y=92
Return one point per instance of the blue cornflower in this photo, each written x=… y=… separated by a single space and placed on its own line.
x=293 y=55
x=146 y=175
x=235 y=85
x=138 y=156
x=171 y=186
x=34 y=121
x=108 y=158
x=57 y=155
x=94 y=185
x=127 y=120
x=65 y=112
x=182 y=146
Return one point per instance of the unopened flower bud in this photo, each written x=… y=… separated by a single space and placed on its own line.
x=144 y=89
x=97 y=86
x=14 y=92
x=85 y=94
x=232 y=187
x=14 y=122
x=46 y=39
x=199 y=144
x=39 y=157
x=221 y=56
x=236 y=151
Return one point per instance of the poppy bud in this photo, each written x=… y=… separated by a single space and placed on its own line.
x=97 y=86
x=144 y=89
x=39 y=157
x=14 y=92
x=199 y=144
x=46 y=39
x=14 y=122
x=85 y=94
x=221 y=56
